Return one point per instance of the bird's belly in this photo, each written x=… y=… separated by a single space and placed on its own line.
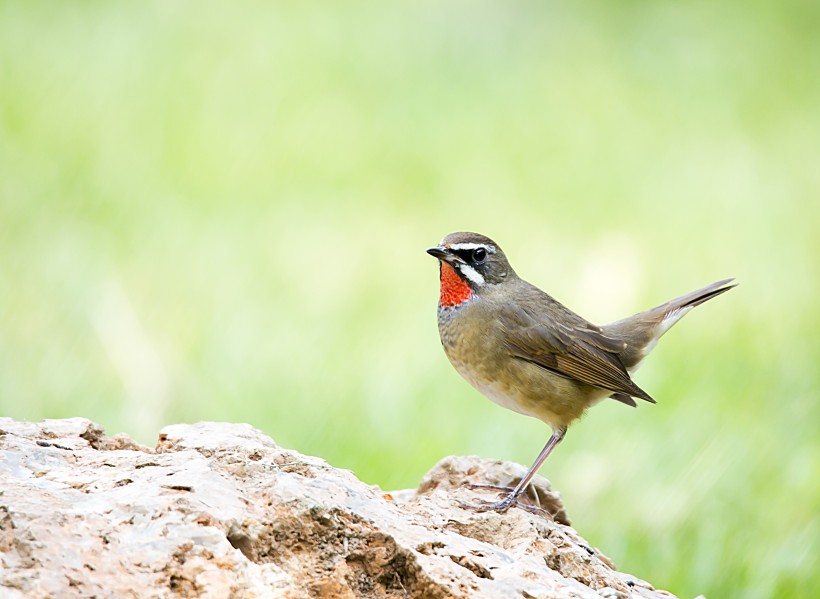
x=528 y=389
x=498 y=393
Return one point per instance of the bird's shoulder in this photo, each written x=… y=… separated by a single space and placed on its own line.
x=530 y=308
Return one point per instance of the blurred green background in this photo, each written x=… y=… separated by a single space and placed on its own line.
x=219 y=212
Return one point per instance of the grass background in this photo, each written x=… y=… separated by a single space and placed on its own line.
x=219 y=212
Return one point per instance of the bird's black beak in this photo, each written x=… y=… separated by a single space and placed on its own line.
x=443 y=253
x=438 y=252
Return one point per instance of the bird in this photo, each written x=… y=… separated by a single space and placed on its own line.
x=529 y=353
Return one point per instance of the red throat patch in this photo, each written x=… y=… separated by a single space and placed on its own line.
x=454 y=290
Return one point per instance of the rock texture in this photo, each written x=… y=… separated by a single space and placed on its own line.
x=219 y=510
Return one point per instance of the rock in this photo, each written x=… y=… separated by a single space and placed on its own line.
x=220 y=510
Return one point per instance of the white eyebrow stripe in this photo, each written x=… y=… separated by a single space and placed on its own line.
x=472 y=246
x=471 y=273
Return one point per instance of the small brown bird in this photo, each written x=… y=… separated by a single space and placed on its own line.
x=527 y=352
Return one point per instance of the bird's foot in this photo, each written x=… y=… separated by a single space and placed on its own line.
x=490 y=506
x=499 y=488
x=503 y=505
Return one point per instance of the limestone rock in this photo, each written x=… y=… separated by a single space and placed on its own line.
x=220 y=510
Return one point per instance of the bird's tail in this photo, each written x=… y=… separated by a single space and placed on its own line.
x=641 y=331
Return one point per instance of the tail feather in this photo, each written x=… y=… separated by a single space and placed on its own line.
x=642 y=331
x=696 y=298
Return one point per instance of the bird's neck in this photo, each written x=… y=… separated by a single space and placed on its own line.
x=454 y=290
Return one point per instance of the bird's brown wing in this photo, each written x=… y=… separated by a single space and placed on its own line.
x=582 y=353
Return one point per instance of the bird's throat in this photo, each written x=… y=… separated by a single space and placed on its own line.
x=454 y=289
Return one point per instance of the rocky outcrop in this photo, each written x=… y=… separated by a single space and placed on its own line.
x=219 y=510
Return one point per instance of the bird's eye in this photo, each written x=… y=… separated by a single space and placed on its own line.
x=479 y=255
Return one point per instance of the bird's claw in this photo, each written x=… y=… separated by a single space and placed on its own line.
x=489 y=506
x=499 y=488
x=502 y=505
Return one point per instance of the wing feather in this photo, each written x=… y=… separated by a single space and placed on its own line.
x=582 y=353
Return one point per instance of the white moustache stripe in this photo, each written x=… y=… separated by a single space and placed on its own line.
x=472 y=274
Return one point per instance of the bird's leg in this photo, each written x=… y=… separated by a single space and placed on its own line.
x=512 y=499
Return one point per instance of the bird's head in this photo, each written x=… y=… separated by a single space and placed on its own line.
x=469 y=262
